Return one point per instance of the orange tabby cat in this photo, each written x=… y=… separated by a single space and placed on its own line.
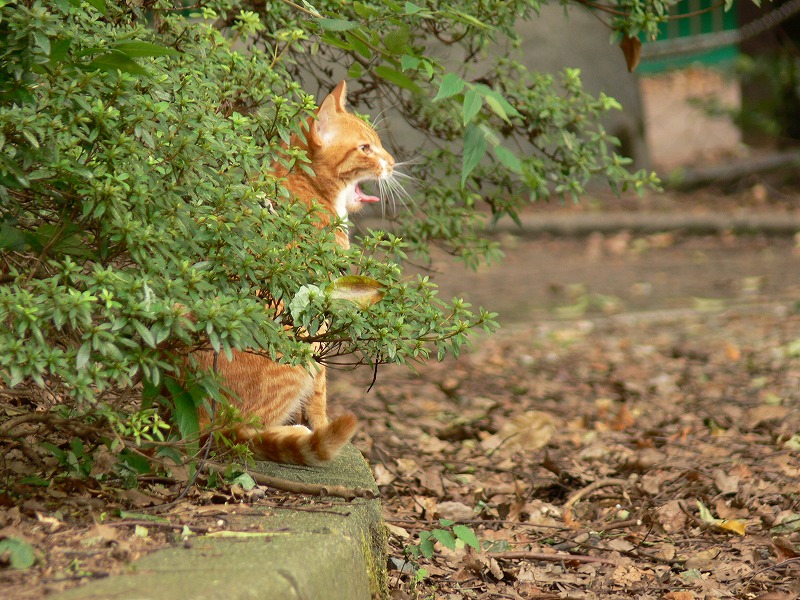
x=343 y=151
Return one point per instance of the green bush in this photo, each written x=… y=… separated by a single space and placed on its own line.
x=135 y=144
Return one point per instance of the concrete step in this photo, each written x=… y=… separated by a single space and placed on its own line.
x=338 y=552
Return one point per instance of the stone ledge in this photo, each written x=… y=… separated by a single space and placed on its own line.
x=338 y=553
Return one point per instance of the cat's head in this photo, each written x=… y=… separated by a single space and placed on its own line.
x=347 y=151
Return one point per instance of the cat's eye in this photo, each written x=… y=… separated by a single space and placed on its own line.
x=365 y=148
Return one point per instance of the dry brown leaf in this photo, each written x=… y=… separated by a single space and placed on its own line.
x=622 y=420
x=785 y=548
x=382 y=475
x=703 y=560
x=529 y=431
x=100 y=534
x=399 y=532
x=765 y=412
x=682 y=595
x=406 y=466
x=632 y=49
x=627 y=574
x=431 y=481
x=671 y=517
x=727 y=484
x=732 y=352
x=455 y=511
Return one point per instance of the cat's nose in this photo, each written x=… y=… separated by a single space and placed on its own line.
x=388 y=164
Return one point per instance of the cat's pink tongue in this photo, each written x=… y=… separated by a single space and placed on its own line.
x=362 y=197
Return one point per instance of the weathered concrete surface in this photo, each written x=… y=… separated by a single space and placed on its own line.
x=276 y=554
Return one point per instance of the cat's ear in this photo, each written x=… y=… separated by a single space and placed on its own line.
x=339 y=95
x=322 y=129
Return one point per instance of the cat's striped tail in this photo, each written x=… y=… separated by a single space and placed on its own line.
x=297 y=444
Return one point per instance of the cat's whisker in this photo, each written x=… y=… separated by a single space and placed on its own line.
x=394 y=192
x=379 y=119
x=405 y=176
x=410 y=161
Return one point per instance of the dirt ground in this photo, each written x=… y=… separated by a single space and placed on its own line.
x=632 y=431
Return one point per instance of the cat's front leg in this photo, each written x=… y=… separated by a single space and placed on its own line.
x=316 y=408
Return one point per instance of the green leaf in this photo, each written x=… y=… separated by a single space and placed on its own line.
x=58 y=49
x=508 y=158
x=21 y=555
x=705 y=514
x=396 y=77
x=186 y=416
x=35 y=481
x=145 y=333
x=136 y=49
x=474 y=149
x=337 y=24
x=396 y=41
x=84 y=353
x=115 y=60
x=60 y=455
x=412 y=9
x=472 y=105
x=246 y=481
x=11 y=238
x=409 y=62
x=100 y=5
x=497 y=107
x=137 y=462
x=358 y=45
x=425 y=544
x=467 y=535
x=451 y=85
x=42 y=41
x=123 y=514
x=445 y=538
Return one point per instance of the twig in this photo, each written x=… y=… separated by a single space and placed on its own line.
x=297 y=487
x=600 y=483
x=775 y=567
x=558 y=557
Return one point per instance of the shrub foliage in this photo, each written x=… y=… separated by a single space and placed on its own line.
x=140 y=218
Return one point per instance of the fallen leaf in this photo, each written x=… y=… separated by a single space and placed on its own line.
x=765 y=412
x=399 y=532
x=732 y=352
x=529 y=431
x=671 y=517
x=622 y=420
x=726 y=484
x=455 y=511
x=406 y=466
x=737 y=526
x=703 y=560
x=382 y=475
x=100 y=534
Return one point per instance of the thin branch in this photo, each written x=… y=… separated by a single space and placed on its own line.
x=302 y=9
x=600 y=483
x=550 y=557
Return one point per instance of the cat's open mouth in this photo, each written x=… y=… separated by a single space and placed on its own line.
x=362 y=197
